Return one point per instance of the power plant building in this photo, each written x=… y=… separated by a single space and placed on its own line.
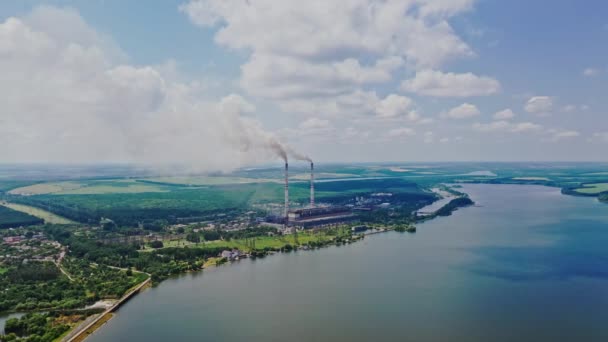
x=320 y=216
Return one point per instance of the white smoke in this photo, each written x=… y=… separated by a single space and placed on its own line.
x=297 y=155
x=69 y=98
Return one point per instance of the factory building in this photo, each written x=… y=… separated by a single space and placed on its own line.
x=311 y=216
x=320 y=216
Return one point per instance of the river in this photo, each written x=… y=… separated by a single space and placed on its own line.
x=525 y=264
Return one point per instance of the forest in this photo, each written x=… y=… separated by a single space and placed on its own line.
x=42 y=286
x=186 y=205
x=12 y=218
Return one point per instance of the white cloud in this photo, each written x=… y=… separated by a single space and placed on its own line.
x=526 y=127
x=590 y=72
x=437 y=83
x=506 y=126
x=401 y=132
x=315 y=123
x=329 y=49
x=394 y=105
x=69 y=96
x=464 y=111
x=560 y=134
x=504 y=115
x=429 y=137
x=492 y=126
x=539 y=104
x=599 y=137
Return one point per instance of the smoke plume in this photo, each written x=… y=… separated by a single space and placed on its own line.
x=297 y=155
x=85 y=104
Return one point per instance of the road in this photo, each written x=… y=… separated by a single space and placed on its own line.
x=82 y=329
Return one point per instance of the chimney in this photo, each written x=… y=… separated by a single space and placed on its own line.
x=312 y=185
x=286 y=192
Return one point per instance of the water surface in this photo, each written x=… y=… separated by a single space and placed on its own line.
x=527 y=264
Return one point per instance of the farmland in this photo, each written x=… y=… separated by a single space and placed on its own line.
x=593 y=189
x=131 y=200
x=131 y=208
x=37 y=212
x=91 y=187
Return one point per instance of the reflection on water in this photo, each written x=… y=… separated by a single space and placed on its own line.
x=527 y=265
x=6 y=316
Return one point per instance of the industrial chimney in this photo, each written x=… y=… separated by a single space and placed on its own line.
x=312 y=184
x=286 y=192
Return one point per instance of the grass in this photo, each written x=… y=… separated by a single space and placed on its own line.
x=593 y=189
x=43 y=214
x=260 y=242
x=113 y=189
x=3 y=270
x=206 y=180
x=91 y=187
x=46 y=188
x=103 y=320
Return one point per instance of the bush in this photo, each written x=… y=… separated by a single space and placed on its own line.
x=156 y=244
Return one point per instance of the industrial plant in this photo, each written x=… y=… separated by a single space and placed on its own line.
x=312 y=215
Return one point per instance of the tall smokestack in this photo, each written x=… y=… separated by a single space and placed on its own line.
x=312 y=184
x=286 y=192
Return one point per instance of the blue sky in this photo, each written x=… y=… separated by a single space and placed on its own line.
x=363 y=80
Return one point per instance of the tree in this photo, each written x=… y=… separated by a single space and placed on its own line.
x=29 y=235
x=108 y=225
x=156 y=244
x=193 y=237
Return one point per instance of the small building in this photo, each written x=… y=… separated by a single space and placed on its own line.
x=320 y=216
x=231 y=254
x=359 y=229
x=13 y=239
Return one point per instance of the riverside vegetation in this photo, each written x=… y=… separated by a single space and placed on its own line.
x=108 y=210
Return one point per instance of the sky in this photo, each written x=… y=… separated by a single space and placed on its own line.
x=220 y=84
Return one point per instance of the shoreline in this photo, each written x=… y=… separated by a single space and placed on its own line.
x=93 y=326
x=89 y=328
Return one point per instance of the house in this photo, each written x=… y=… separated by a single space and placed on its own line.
x=358 y=229
x=231 y=255
x=13 y=239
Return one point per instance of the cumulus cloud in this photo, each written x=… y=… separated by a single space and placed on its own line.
x=401 y=132
x=315 y=123
x=393 y=105
x=69 y=96
x=464 y=111
x=539 y=104
x=440 y=84
x=506 y=126
x=505 y=114
x=556 y=135
x=326 y=51
x=589 y=72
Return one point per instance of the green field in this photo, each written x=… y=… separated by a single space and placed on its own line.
x=205 y=180
x=593 y=189
x=45 y=188
x=260 y=242
x=47 y=216
x=92 y=187
x=532 y=178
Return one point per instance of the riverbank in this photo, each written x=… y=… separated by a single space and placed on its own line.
x=453 y=273
x=80 y=333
